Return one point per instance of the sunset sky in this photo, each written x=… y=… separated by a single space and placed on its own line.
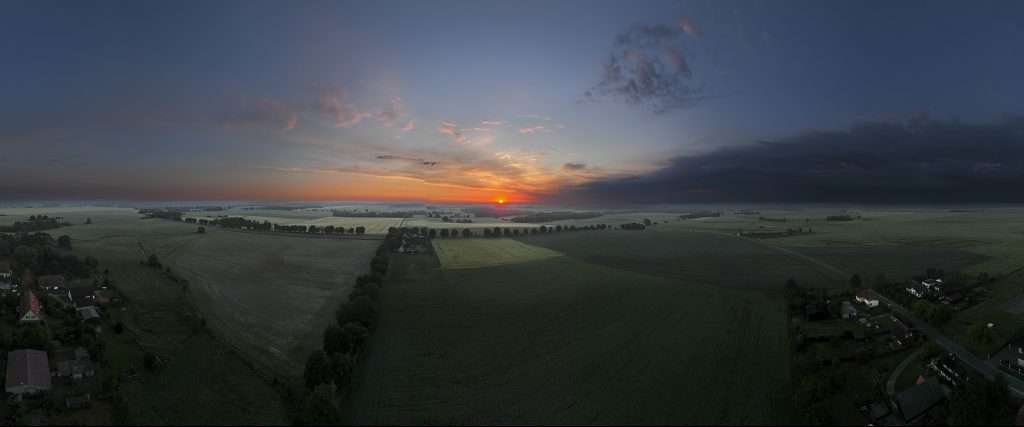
x=553 y=101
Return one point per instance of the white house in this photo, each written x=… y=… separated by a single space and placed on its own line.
x=868 y=298
x=5 y=270
x=917 y=290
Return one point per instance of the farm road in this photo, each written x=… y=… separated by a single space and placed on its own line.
x=826 y=269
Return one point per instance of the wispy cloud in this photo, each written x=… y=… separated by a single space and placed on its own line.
x=392 y=113
x=410 y=125
x=531 y=129
x=334 y=103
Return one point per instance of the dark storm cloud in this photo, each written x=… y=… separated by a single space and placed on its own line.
x=919 y=161
x=650 y=66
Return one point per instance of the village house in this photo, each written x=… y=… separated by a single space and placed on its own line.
x=51 y=282
x=28 y=371
x=915 y=401
x=1017 y=345
x=29 y=310
x=917 y=289
x=82 y=298
x=932 y=284
x=901 y=335
x=868 y=298
x=80 y=367
x=5 y=270
x=950 y=368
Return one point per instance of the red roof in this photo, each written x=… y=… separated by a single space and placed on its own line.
x=29 y=302
x=27 y=367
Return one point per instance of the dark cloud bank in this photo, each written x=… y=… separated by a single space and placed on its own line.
x=920 y=161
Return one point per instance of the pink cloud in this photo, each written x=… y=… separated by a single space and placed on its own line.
x=335 y=103
x=531 y=129
x=409 y=126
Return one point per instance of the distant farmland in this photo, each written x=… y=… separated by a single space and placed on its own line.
x=472 y=253
x=700 y=257
x=563 y=341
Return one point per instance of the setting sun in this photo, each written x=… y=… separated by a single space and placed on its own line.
x=501 y=201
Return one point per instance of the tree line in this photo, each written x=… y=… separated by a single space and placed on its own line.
x=329 y=370
x=34 y=223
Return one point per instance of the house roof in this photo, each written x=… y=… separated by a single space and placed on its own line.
x=918 y=399
x=5 y=266
x=29 y=302
x=868 y=295
x=83 y=297
x=51 y=280
x=28 y=367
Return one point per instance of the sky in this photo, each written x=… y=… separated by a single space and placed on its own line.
x=577 y=102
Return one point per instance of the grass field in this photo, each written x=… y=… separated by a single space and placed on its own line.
x=204 y=380
x=271 y=296
x=471 y=253
x=268 y=295
x=568 y=342
x=700 y=257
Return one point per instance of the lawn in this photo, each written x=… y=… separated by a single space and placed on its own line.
x=569 y=342
x=471 y=253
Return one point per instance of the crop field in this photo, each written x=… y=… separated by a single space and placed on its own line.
x=471 y=253
x=271 y=296
x=203 y=379
x=564 y=341
x=700 y=257
x=268 y=295
x=898 y=263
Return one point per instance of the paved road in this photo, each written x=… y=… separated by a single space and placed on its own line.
x=890 y=386
x=976 y=363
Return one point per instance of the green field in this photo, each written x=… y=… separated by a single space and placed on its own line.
x=700 y=257
x=568 y=342
x=203 y=381
x=471 y=253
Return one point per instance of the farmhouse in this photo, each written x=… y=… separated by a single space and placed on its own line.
x=89 y=314
x=80 y=367
x=915 y=401
x=29 y=310
x=951 y=369
x=82 y=298
x=28 y=371
x=932 y=284
x=5 y=270
x=917 y=289
x=901 y=335
x=1017 y=345
x=51 y=282
x=868 y=298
